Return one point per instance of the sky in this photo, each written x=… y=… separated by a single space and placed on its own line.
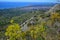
x=29 y=0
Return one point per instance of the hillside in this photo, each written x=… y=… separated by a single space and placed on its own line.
x=30 y=23
x=50 y=20
x=22 y=13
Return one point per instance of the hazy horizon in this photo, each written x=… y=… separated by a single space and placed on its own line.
x=21 y=3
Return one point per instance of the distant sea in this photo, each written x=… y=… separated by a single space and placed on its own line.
x=5 y=5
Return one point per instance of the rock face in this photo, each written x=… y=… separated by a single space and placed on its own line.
x=54 y=9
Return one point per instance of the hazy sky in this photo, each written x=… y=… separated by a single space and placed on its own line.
x=28 y=0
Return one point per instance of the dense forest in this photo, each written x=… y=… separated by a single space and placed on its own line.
x=30 y=24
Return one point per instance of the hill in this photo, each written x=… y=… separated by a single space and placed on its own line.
x=30 y=23
x=21 y=13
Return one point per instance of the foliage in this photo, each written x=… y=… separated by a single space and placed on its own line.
x=13 y=31
x=45 y=27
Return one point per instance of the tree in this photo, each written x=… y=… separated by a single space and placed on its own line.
x=38 y=31
x=13 y=32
